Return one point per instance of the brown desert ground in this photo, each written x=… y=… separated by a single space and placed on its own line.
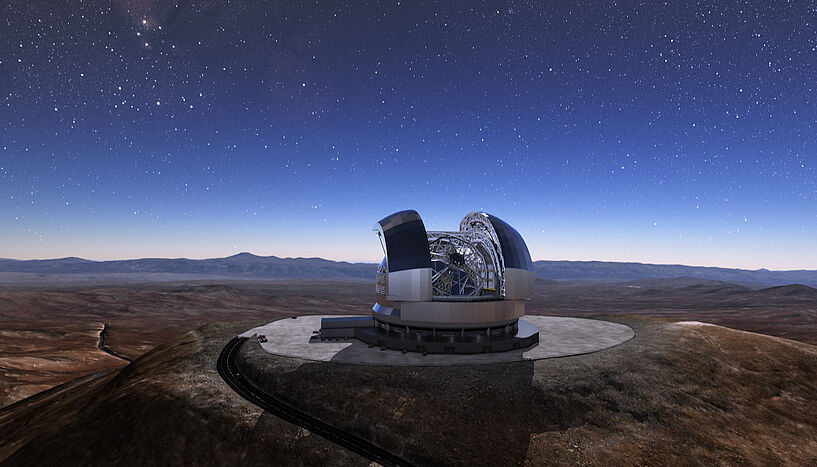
x=784 y=311
x=170 y=407
x=49 y=333
x=677 y=393
x=50 y=324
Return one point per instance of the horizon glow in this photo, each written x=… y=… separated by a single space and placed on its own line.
x=664 y=134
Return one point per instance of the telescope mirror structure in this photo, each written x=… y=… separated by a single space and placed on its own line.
x=446 y=292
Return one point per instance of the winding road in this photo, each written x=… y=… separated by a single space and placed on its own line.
x=229 y=372
x=104 y=333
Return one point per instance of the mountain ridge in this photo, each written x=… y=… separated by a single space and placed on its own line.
x=620 y=271
x=248 y=265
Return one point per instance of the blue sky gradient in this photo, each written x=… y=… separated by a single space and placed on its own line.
x=634 y=131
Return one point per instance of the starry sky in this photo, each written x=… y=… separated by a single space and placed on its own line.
x=667 y=132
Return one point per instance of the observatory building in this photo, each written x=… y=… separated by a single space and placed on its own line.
x=446 y=292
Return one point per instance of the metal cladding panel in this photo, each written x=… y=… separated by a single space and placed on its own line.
x=518 y=284
x=515 y=252
x=347 y=322
x=406 y=241
x=461 y=314
x=412 y=285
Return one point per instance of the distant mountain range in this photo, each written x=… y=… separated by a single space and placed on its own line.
x=249 y=266
x=614 y=272
x=242 y=265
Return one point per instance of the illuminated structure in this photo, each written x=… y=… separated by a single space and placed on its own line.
x=446 y=292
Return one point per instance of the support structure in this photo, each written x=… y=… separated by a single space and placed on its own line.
x=446 y=292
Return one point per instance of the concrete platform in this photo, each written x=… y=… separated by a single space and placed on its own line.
x=558 y=337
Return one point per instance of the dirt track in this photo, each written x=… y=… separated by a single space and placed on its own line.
x=684 y=393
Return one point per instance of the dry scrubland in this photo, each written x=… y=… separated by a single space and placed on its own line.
x=676 y=393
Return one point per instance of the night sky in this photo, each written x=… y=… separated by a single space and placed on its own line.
x=676 y=132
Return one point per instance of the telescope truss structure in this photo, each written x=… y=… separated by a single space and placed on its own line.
x=465 y=264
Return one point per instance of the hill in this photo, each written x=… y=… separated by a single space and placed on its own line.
x=249 y=266
x=242 y=265
x=784 y=311
x=170 y=407
x=49 y=334
x=617 y=272
x=677 y=393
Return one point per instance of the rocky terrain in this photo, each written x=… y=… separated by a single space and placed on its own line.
x=49 y=333
x=679 y=392
x=49 y=328
x=170 y=407
x=784 y=311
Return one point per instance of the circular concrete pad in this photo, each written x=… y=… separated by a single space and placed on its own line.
x=558 y=337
